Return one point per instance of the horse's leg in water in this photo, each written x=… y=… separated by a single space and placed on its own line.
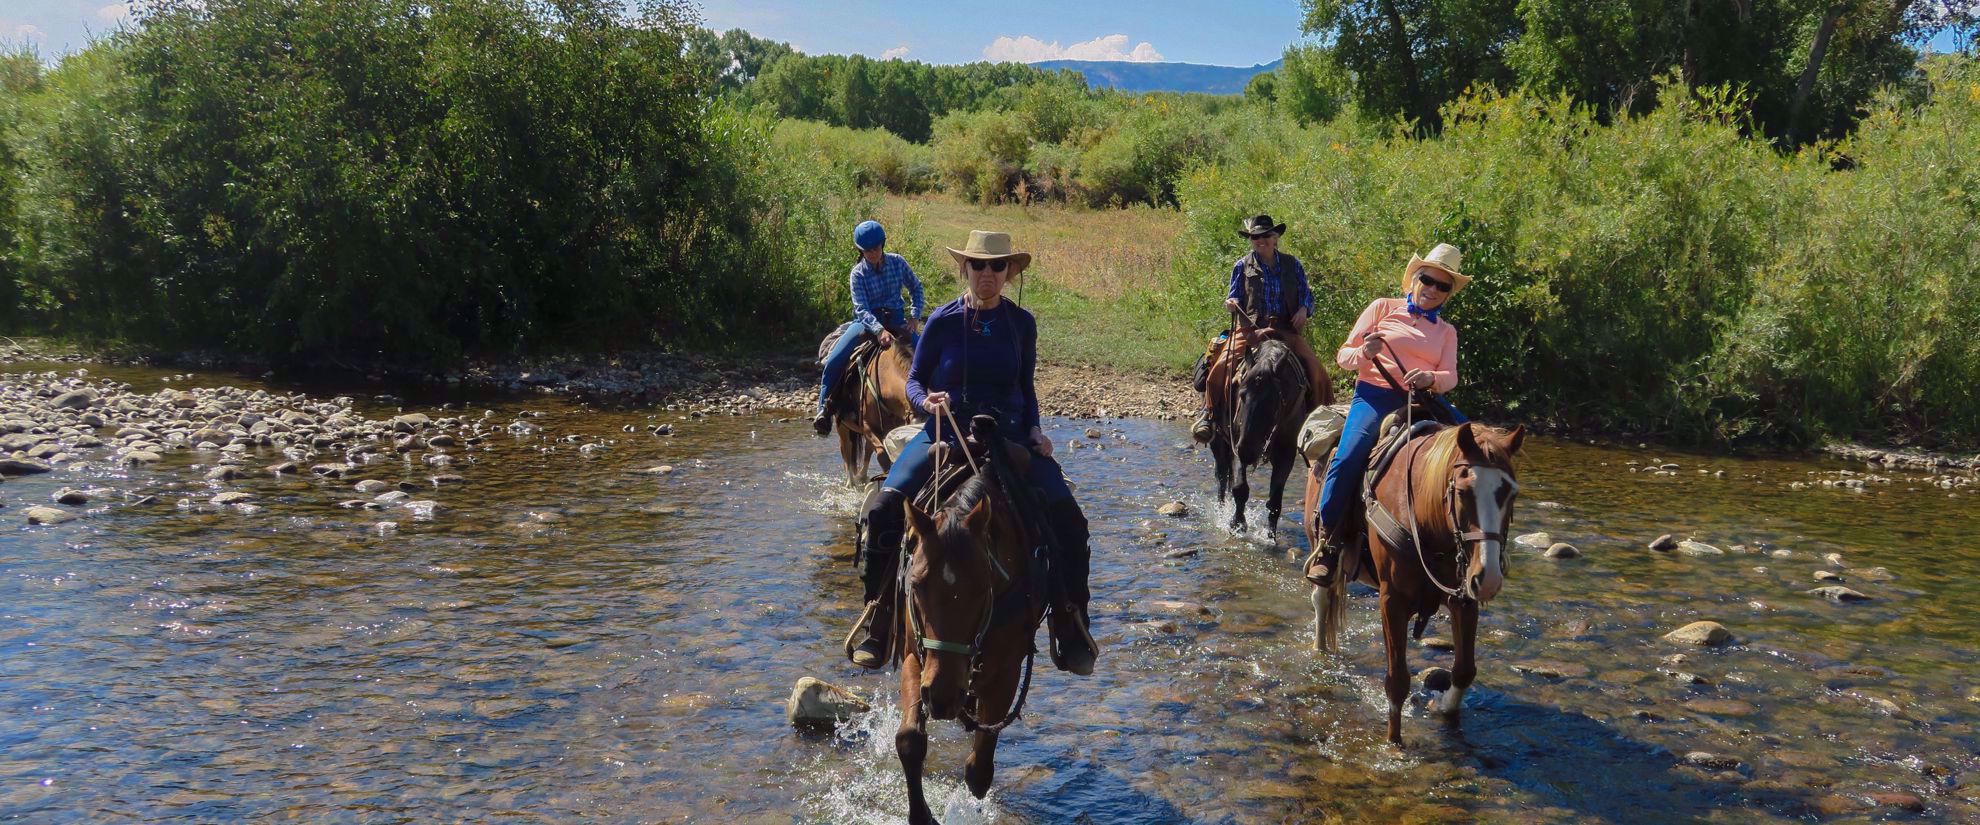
x=1464 y=635
x=1281 y=450
x=1240 y=494
x=996 y=689
x=850 y=444
x=1220 y=449
x=911 y=741
x=1395 y=640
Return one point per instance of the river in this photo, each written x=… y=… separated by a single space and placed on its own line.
x=568 y=639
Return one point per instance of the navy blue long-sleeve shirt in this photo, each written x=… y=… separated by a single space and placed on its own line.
x=985 y=360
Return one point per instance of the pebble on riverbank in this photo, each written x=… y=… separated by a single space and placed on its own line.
x=1664 y=543
x=815 y=703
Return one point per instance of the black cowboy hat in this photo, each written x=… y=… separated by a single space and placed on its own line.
x=1259 y=226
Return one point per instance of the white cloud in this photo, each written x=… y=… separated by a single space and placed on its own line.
x=25 y=33
x=116 y=12
x=1028 y=49
x=895 y=53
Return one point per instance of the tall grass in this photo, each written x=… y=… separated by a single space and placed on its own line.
x=1668 y=274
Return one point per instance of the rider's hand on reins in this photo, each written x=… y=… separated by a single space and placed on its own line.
x=886 y=339
x=1040 y=442
x=936 y=403
x=1371 y=345
x=1418 y=380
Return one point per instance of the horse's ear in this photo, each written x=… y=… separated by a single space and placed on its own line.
x=921 y=523
x=978 y=519
x=1467 y=440
x=1514 y=439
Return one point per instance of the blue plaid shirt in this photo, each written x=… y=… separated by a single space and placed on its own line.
x=878 y=294
x=1286 y=266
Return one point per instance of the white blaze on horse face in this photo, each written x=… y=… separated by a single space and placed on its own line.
x=948 y=573
x=1489 y=487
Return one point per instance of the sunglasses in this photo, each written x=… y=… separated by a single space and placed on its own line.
x=1425 y=279
x=995 y=266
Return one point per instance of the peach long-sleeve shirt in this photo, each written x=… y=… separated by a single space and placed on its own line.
x=1417 y=342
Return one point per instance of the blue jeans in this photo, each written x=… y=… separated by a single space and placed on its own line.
x=838 y=359
x=1358 y=434
x=915 y=466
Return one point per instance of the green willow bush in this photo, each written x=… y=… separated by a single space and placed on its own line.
x=1668 y=274
x=410 y=181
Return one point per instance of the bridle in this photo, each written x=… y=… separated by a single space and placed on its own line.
x=1465 y=540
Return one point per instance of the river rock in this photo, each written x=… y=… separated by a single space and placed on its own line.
x=662 y=470
x=142 y=457
x=1435 y=679
x=1711 y=761
x=371 y=486
x=22 y=467
x=1876 y=574
x=1562 y=550
x=1838 y=593
x=1438 y=643
x=1702 y=634
x=1721 y=707
x=1664 y=543
x=815 y=703
x=1827 y=576
x=1698 y=548
x=75 y=400
x=223 y=473
x=448 y=478
x=1178 y=608
x=443 y=440
x=1174 y=509
x=283 y=467
x=48 y=515
x=233 y=497
x=410 y=422
x=1093 y=432
x=1534 y=540
x=70 y=496
x=392 y=497
x=1180 y=553
x=1900 y=800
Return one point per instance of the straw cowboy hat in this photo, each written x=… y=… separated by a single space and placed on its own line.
x=1444 y=258
x=1260 y=225
x=991 y=246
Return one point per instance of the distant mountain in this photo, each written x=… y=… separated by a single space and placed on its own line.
x=1162 y=77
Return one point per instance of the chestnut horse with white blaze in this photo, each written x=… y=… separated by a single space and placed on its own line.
x=1445 y=505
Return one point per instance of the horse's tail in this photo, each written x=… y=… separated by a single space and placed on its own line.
x=1329 y=615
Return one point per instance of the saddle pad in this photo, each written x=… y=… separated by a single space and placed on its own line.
x=1321 y=431
x=831 y=338
x=897 y=439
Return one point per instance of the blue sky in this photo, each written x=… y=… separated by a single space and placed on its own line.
x=1229 y=33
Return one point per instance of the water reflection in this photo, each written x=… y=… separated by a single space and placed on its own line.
x=568 y=638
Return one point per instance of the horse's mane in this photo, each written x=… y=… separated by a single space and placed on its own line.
x=974 y=490
x=1438 y=459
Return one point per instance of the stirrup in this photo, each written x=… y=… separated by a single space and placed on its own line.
x=1060 y=657
x=1203 y=429
x=861 y=634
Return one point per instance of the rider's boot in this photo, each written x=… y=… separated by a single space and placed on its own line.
x=1073 y=647
x=822 y=422
x=882 y=549
x=1324 y=562
x=1202 y=429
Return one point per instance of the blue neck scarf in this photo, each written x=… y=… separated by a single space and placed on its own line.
x=1426 y=313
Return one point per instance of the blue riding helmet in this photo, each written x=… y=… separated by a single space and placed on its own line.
x=868 y=235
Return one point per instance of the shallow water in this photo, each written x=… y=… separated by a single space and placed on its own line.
x=568 y=640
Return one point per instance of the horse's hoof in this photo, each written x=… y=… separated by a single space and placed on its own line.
x=978 y=780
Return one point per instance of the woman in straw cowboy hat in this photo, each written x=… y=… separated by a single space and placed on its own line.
x=978 y=356
x=1395 y=340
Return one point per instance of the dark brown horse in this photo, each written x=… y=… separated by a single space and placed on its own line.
x=1262 y=410
x=973 y=603
x=871 y=402
x=1447 y=499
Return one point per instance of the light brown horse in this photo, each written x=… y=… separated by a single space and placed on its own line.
x=871 y=402
x=973 y=604
x=1451 y=494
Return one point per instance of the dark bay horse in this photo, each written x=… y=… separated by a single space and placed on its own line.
x=1448 y=501
x=974 y=601
x=871 y=402
x=1264 y=406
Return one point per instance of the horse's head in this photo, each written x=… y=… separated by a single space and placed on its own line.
x=952 y=591
x=1270 y=385
x=1480 y=498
